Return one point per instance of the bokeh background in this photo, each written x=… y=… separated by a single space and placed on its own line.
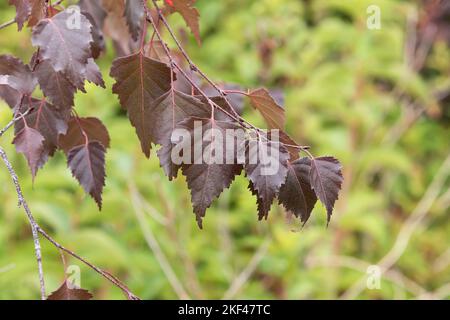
x=376 y=99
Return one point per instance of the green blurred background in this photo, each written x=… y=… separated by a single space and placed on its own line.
x=365 y=96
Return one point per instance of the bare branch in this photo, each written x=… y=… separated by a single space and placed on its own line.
x=33 y=224
x=36 y=229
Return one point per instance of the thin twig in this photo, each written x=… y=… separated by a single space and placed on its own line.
x=7 y=23
x=192 y=65
x=173 y=64
x=33 y=224
x=36 y=229
x=11 y=123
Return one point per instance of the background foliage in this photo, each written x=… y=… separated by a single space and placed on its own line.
x=349 y=91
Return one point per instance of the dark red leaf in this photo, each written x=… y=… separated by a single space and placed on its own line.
x=168 y=111
x=55 y=85
x=23 y=10
x=65 y=44
x=68 y=292
x=140 y=81
x=326 y=179
x=37 y=12
x=15 y=76
x=266 y=168
x=134 y=14
x=29 y=142
x=93 y=73
x=189 y=14
x=93 y=128
x=87 y=163
x=206 y=177
x=49 y=120
x=269 y=109
x=296 y=194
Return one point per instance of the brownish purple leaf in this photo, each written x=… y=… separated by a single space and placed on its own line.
x=55 y=85
x=266 y=168
x=134 y=14
x=65 y=44
x=80 y=129
x=37 y=12
x=68 y=292
x=190 y=15
x=49 y=120
x=87 y=163
x=93 y=73
x=15 y=76
x=23 y=10
x=140 y=81
x=296 y=194
x=29 y=142
x=272 y=113
x=170 y=109
x=326 y=179
x=207 y=173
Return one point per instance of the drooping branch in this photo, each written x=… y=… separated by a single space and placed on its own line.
x=223 y=93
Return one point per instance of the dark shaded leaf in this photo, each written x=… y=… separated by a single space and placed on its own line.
x=55 y=85
x=15 y=76
x=326 y=179
x=29 y=142
x=37 y=12
x=93 y=73
x=93 y=128
x=168 y=111
x=49 y=120
x=23 y=10
x=206 y=174
x=64 y=44
x=134 y=14
x=87 y=163
x=190 y=15
x=296 y=194
x=272 y=113
x=139 y=82
x=266 y=168
x=96 y=15
x=68 y=292
x=95 y=10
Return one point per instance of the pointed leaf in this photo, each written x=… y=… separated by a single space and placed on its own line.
x=266 y=168
x=48 y=119
x=326 y=179
x=68 y=292
x=296 y=194
x=87 y=163
x=170 y=109
x=93 y=73
x=29 y=142
x=93 y=128
x=65 y=44
x=190 y=15
x=139 y=82
x=134 y=13
x=55 y=85
x=23 y=10
x=17 y=76
x=37 y=12
x=272 y=112
x=206 y=176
